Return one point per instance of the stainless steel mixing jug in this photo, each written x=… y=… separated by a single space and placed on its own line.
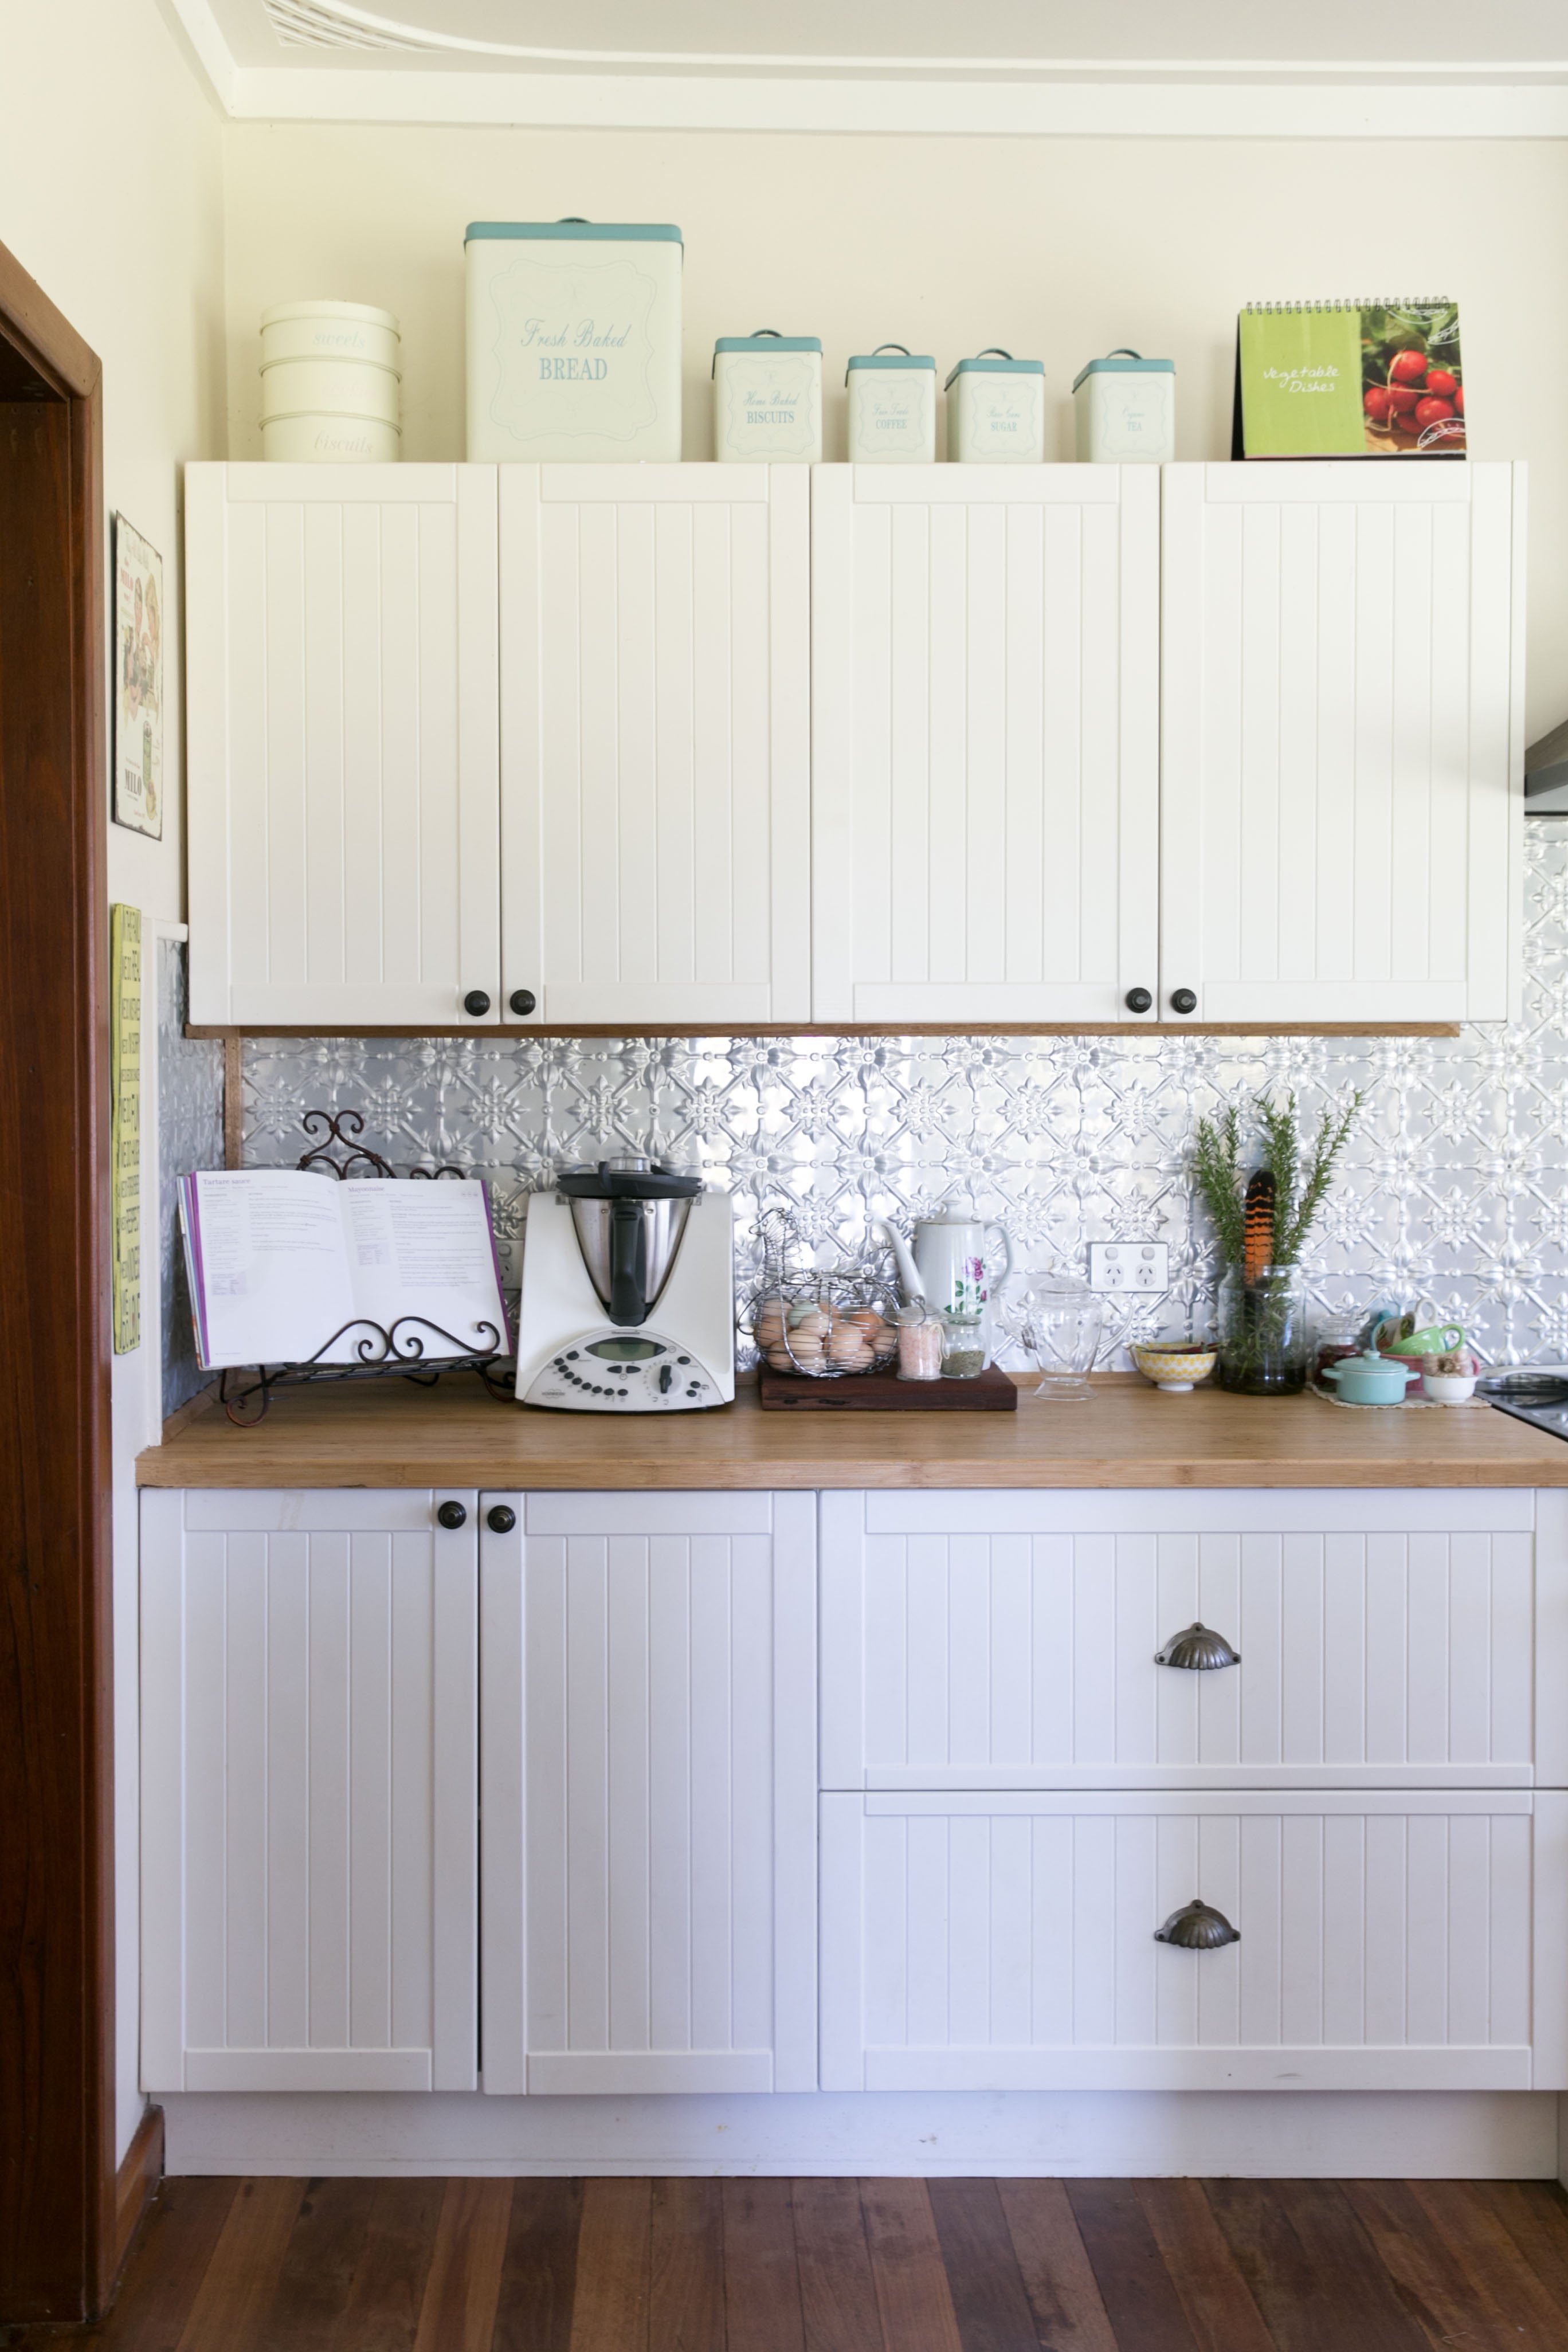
x=629 y=1216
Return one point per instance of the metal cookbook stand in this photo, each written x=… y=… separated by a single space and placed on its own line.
x=380 y=1352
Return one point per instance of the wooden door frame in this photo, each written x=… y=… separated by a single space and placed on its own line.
x=59 y=2239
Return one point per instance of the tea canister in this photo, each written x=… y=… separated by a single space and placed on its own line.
x=892 y=409
x=573 y=341
x=996 y=411
x=767 y=398
x=1126 y=408
x=330 y=383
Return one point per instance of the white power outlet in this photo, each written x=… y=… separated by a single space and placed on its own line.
x=1129 y=1265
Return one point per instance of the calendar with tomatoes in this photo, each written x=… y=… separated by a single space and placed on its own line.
x=1379 y=379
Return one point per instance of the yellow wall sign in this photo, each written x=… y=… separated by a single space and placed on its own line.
x=125 y=1084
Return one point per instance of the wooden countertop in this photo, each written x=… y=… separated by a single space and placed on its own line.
x=394 y=1434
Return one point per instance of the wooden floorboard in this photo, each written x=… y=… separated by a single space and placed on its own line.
x=839 y=2265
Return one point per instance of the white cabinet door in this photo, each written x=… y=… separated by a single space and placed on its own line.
x=308 y=1792
x=1340 y=819
x=343 y=751
x=655 y=691
x=648 y=1774
x=985 y=750
x=1011 y=1641
x=997 y=1941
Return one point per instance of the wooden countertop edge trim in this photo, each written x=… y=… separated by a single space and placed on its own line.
x=1128 y=1437
x=480 y=1034
x=911 y=1478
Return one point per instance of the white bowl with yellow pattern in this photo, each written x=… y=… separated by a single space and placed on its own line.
x=1176 y=1368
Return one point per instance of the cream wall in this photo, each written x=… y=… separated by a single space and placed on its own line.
x=111 y=197
x=1056 y=249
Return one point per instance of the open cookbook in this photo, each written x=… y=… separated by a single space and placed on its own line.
x=286 y=1267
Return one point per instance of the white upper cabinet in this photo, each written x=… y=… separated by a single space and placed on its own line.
x=1339 y=817
x=656 y=691
x=342 y=743
x=986 y=742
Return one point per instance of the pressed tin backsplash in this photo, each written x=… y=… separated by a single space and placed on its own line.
x=1455 y=1184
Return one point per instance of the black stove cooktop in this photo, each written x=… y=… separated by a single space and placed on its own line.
x=1540 y=1398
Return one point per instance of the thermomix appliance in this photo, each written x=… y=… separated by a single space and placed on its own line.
x=628 y=1292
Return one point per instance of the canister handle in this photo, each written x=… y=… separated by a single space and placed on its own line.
x=1124 y=351
x=890 y=347
x=757 y=332
x=994 y=352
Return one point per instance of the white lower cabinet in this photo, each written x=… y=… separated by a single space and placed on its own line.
x=309 y=1791
x=1020 y=1787
x=649 y=1792
x=1005 y=1940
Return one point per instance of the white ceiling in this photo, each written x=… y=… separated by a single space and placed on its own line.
x=1444 y=69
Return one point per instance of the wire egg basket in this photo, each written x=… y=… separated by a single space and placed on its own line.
x=825 y=1323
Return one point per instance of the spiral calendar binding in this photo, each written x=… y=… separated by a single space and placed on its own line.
x=1357 y=302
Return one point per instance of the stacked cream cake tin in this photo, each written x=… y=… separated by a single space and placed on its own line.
x=330 y=383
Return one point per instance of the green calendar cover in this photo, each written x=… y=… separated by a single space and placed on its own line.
x=1349 y=380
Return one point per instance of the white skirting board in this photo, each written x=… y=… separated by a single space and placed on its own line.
x=1264 y=2135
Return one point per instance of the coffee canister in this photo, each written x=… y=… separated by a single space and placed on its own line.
x=767 y=398
x=996 y=411
x=573 y=341
x=330 y=384
x=892 y=409
x=1126 y=410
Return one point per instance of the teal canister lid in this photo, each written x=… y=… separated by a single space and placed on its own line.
x=1124 y=362
x=995 y=361
x=765 y=339
x=582 y=231
x=890 y=355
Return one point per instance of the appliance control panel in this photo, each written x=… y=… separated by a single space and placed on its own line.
x=623 y=1372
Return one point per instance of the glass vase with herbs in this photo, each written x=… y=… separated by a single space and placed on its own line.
x=1262 y=1216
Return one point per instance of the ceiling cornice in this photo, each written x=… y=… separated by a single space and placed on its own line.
x=1098 y=100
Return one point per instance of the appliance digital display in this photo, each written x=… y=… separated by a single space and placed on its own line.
x=625 y=1351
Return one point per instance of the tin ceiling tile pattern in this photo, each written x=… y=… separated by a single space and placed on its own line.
x=1455 y=1184
x=190 y=1135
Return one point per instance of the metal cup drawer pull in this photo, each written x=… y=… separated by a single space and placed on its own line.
x=1197 y=1928
x=1199 y=1649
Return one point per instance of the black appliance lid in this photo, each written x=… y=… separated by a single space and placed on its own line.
x=1523 y=1388
x=627 y=1180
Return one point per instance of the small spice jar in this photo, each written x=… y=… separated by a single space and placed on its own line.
x=920 y=1344
x=963 y=1347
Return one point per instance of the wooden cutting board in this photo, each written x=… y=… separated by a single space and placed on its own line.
x=991 y=1391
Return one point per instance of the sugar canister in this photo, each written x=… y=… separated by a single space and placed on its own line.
x=767 y=398
x=996 y=411
x=1126 y=408
x=573 y=341
x=892 y=409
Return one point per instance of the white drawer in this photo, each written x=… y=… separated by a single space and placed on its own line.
x=1008 y=1941
x=993 y=1655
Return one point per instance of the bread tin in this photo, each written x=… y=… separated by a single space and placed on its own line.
x=574 y=331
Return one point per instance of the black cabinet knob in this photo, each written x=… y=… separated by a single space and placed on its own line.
x=500 y=1518
x=452 y=1515
x=523 y=1000
x=1138 y=1000
x=477 y=1002
x=1184 y=1000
